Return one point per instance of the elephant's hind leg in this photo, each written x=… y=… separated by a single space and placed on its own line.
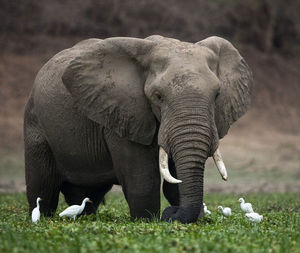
x=42 y=179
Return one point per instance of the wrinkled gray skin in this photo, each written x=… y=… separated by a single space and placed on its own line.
x=99 y=111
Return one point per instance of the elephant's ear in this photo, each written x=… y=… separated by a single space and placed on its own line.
x=106 y=82
x=236 y=83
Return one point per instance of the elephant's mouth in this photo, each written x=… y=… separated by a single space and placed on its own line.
x=166 y=175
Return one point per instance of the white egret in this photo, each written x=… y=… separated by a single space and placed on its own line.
x=246 y=207
x=35 y=215
x=74 y=210
x=226 y=211
x=206 y=211
x=254 y=217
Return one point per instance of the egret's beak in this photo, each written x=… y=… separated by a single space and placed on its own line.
x=41 y=199
x=90 y=201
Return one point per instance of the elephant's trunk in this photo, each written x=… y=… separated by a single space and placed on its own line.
x=188 y=135
x=189 y=154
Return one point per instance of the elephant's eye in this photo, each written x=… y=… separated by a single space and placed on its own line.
x=217 y=95
x=158 y=97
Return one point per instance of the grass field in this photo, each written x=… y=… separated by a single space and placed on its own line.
x=111 y=230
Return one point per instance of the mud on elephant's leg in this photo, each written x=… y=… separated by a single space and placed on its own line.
x=75 y=194
x=136 y=167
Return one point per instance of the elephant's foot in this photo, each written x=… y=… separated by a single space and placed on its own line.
x=182 y=214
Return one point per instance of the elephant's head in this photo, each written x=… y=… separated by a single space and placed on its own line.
x=190 y=93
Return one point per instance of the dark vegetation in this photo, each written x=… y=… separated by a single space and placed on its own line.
x=267 y=32
x=267 y=25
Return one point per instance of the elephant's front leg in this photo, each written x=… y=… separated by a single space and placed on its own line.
x=136 y=167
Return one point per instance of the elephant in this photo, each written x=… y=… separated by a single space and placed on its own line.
x=127 y=111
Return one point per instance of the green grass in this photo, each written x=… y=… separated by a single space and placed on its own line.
x=111 y=230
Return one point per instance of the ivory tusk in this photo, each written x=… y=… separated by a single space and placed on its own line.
x=220 y=164
x=164 y=167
